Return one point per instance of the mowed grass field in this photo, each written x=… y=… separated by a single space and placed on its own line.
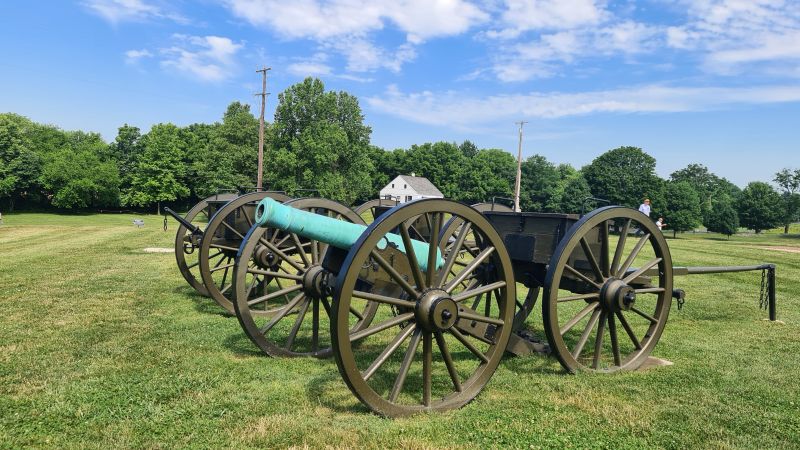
x=104 y=345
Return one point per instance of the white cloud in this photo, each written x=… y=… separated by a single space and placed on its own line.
x=116 y=11
x=133 y=56
x=522 y=15
x=462 y=111
x=735 y=33
x=346 y=25
x=207 y=58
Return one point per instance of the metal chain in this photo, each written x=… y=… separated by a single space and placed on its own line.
x=763 y=300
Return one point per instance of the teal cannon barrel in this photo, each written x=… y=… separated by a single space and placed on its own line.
x=337 y=233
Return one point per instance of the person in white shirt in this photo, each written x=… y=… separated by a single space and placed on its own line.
x=660 y=224
x=644 y=208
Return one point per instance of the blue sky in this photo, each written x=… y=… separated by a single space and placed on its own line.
x=715 y=82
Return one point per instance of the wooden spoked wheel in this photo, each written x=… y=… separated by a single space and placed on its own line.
x=426 y=348
x=221 y=240
x=608 y=291
x=187 y=243
x=452 y=227
x=370 y=210
x=282 y=292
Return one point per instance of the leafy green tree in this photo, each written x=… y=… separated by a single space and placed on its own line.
x=20 y=165
x=682 y=212
x=759 y=207
x=722 y=218
x=539 y=184
x=126 y=149
x=319 y=141
x=575 y=191
x=442 y=163
x=81 y=174
x=489 y=173
x=789 y=182
x=468 y=149
x=159 y=169
x=624 y=176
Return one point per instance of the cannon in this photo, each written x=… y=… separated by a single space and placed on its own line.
x=226 y=217
x=420 y=321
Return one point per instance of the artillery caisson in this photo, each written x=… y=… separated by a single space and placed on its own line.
x=445 y=303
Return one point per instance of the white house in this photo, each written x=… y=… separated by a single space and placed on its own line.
x=405 y=188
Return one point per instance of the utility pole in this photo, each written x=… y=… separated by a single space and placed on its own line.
x=263 y=94
x=519 y=168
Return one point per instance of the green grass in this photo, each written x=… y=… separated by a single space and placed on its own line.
x=104 y=345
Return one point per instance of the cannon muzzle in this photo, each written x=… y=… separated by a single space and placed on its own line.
x=337 y=233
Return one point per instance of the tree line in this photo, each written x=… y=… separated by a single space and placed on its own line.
x=318 y=144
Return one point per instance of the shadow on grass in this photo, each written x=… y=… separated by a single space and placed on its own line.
x=327 y=390
x=240 y=345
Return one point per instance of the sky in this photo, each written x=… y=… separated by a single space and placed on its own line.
x=714 y=82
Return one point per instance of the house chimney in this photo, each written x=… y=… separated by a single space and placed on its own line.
x=413 y=174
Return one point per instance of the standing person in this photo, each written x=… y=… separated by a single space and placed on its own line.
x=644 y=208
x=660 y=224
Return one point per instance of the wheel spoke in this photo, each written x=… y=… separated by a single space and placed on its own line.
x=298 y=321
x=384 y=299
x=571 y=298
x=583 y=277
x=274 y=249
x=463 y=339
x=650 y=264
x=412 y=258
x=448 y=360
x=454 y=251
x=592 y=260
x=604 y=250
x=315 y=252
x=356 y=313
x=598 y=342
x=644 y=314
x=217 y=268
x=433 y=247
x=634 y=253
x=300 y=250
x=585 y=335
x=315 y=326
x=224 y=247
x=381 y=326
x=461 y=296
x=228 y=226
x=612 y=332
x=427 y=362
x=269 y=273
x=282 y=313
x=274 y=295
x=405 y=365
x=626 y=326
x=472 y=315
x=652 y=290
x=247 y=219
x=469 y=268
x=388 y=351
x=583 y=313
x=620 y=246
x=394 y=274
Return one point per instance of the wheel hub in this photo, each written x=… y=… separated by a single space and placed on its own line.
x=264 y=258
x=436 y=310
x=313 y=282
x=617 y=295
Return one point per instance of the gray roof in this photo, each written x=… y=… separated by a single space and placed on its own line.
x=422 y=185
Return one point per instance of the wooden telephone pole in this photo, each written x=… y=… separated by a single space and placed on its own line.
x=263 y=94
x=519 y=168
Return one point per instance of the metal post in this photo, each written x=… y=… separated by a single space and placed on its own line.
x=773 y=313
x=519 y=168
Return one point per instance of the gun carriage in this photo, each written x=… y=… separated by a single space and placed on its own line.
x=423 y=303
